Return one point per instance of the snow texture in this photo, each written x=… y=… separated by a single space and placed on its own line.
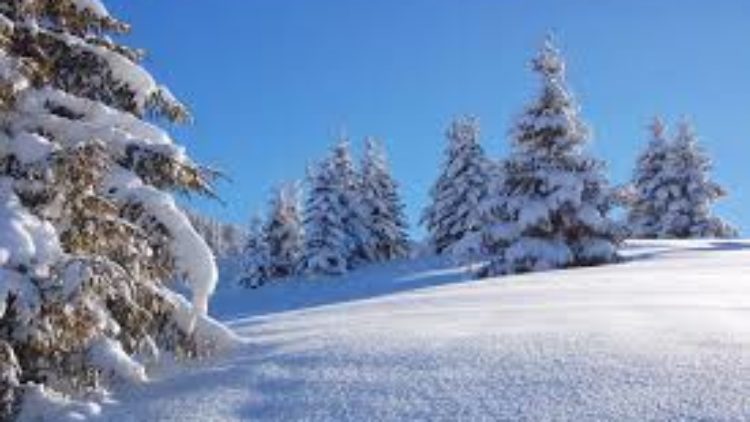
x=25 y=241
x=660 y=337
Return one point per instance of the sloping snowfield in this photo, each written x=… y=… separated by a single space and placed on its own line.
x=665 y=336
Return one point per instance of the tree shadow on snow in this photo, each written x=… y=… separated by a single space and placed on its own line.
x=645 y=250
x=368 y=282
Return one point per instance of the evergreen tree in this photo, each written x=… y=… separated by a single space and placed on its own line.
x=326 y=243
x=348 y=190
x=555 y=198
x=283 y=232
x=689 y=192
x=464 y=181
x=647 y=204
x=90 y=236
x=384 y=211
x=256 y=256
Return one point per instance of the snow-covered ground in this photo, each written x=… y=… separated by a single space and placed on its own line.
x=665 y=336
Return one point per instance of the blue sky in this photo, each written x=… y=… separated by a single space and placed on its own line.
x=272 y=81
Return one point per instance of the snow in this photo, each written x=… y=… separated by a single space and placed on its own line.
x=24 y=239
x=109 y=356
x=193 y=258
x=663 y=336
x=40 y=403
x=94 y=6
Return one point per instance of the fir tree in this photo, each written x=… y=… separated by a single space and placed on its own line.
x=384 y=211
x=346 y=184
x=689 y=192
x=326 y=247
x=90 y=236
x=283 y=232
x=553 y=212
x=647 y=204
x=256 y=256
x=463 y=184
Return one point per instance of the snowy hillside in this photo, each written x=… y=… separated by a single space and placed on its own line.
x=662 y=337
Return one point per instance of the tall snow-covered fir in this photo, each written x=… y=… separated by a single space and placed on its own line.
x=383 y=209
x=326 y=246
x=283 y=232
x=556 y=197
x=692 y=192
x=90 y=237
x=347 y=183
x=463 y=183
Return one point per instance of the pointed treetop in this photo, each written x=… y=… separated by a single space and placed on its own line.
x=341 y=134
x=464 y=130
x=372 y=144
x=685 y=130
x=658 y=128
x=549 y=61
x=289 y=192
x=374 y=151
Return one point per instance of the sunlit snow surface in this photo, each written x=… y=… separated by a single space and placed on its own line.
x=665 y=336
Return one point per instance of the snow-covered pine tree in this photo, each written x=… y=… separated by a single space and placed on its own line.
x=283 y=232
x=90 y=236
x=648 y=201
x=256 y=256
x=384 y=211
x=326 y=242
x=556 y=195
x=689 y=192
x=464 y=181
x=349 y=191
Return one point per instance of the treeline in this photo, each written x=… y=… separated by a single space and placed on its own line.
x=548 y=204
x=350 y=216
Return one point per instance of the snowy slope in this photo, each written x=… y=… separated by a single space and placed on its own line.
x=665 y=336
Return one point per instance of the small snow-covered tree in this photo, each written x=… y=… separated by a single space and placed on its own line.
x=384 y=211
x=464 y=181
x=326 y=242
x=555 y=196
x=283 y=232
x=256 y=256
x=689 y=192
x=647 y=199
x=90 y=236
x=347 y=185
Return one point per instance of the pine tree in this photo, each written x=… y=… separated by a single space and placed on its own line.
x=556 y=198
x=647 y=205
x=256 y=256
x=326 y=244
x=349 y=192
x=462 y=185
x=384 y=211
x=688 y=192
x=90 y=236
x=283 y=232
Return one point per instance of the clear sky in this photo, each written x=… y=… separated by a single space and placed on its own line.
x=272 y=81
